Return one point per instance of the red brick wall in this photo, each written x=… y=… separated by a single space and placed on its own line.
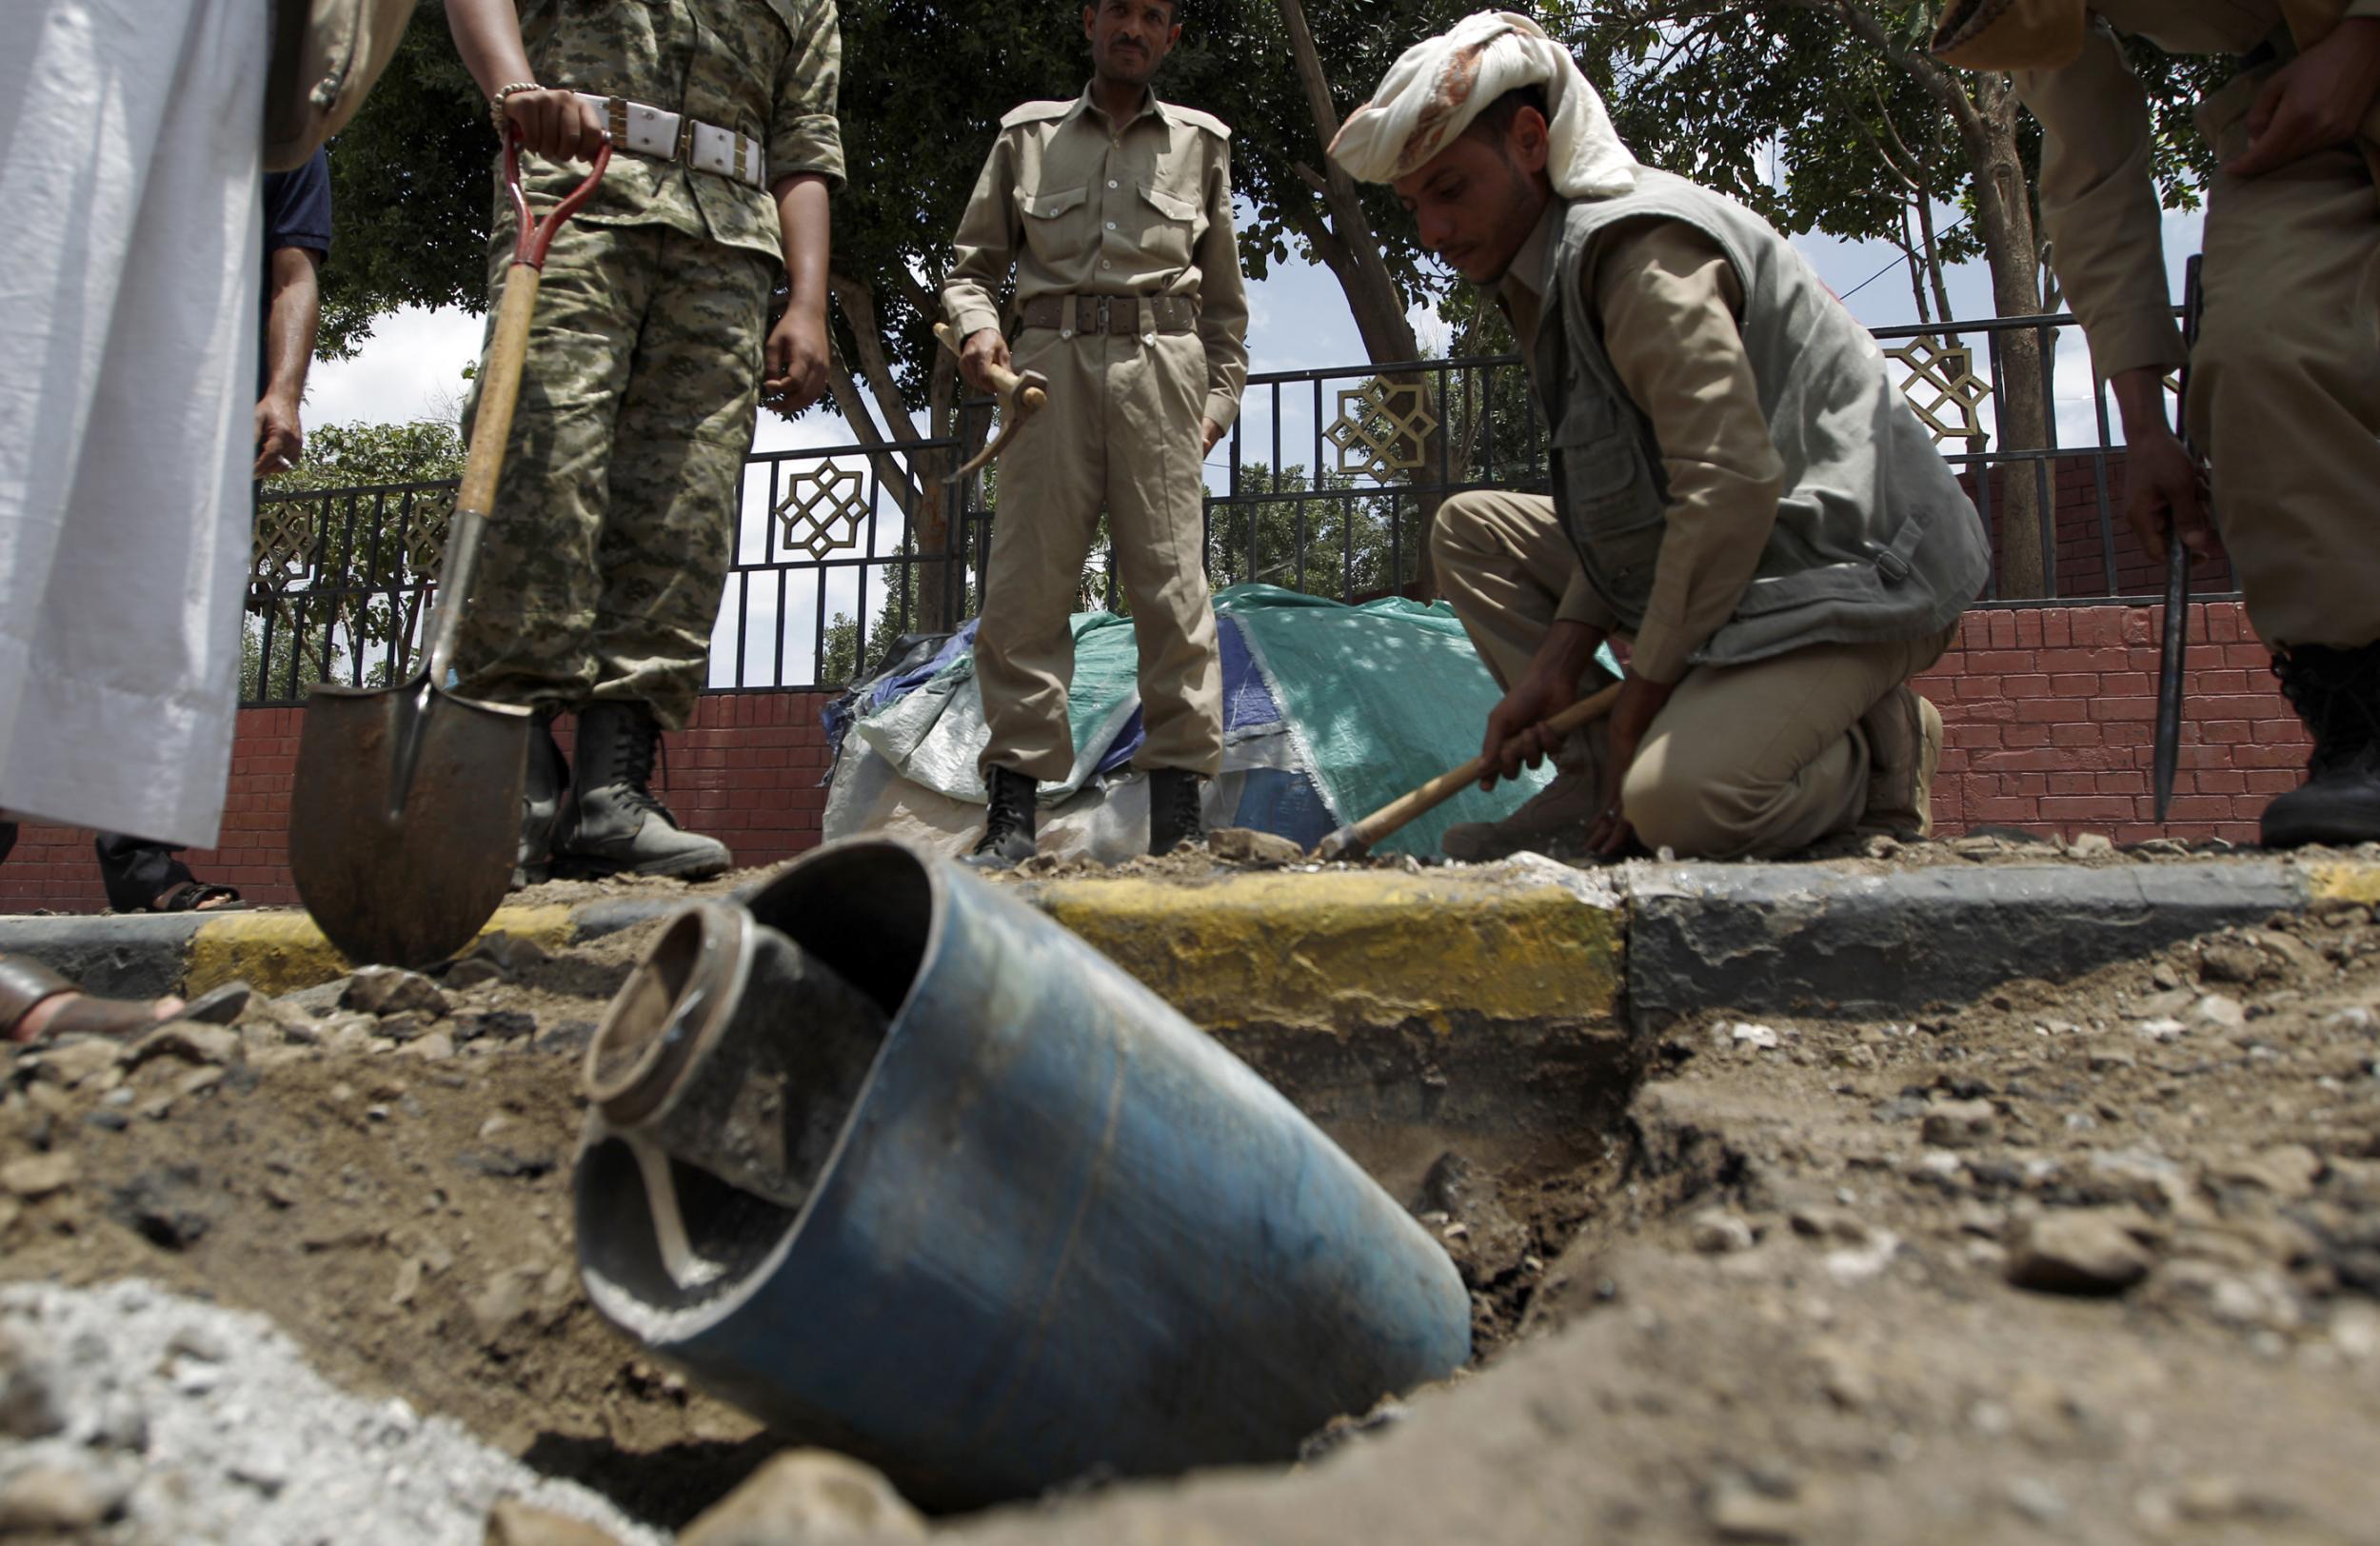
x=2082 y=548
x=745 y=771
x=2050 y=715
x=2050 y=720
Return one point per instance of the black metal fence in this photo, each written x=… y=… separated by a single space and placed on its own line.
x=1326 y=484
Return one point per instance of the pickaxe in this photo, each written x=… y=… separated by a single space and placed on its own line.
x=1356 y=839
x=2178 y=562
x=1021 y=398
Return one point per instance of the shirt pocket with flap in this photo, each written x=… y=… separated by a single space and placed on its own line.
x=1169 y=225
x=1058 y=228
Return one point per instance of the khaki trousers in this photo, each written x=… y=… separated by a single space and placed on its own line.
x=1119 y=431
x=2285 y=382
x=1744 y=760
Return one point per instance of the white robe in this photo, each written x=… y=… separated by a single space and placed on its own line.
x=130 y=283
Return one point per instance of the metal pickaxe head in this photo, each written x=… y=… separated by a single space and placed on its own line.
x=1021 y=398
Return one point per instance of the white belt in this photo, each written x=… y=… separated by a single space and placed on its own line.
x=669 y=136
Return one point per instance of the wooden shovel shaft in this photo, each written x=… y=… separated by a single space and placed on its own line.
x=499 y=393
x=1362 y=836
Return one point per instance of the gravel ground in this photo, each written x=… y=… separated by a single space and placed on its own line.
x=142 y=1416
x=2086 y=1261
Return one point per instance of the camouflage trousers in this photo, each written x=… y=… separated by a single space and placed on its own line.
x=608 y=549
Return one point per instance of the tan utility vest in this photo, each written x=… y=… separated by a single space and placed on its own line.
x=1874 y=539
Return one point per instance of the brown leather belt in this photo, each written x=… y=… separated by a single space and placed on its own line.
x=1117 y=314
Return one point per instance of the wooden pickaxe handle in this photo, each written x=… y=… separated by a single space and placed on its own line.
x=1356 y=839
x=1004 y=381
x=1021 y=398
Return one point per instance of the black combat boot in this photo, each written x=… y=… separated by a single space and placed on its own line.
x=617 y=825
x=1174 y=818
x=1007 y=822
x=2337 y=693
x=543 y=784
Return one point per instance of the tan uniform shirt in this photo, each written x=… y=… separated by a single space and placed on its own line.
x=1080 y=206
x=2098 y=200
x=1670 y=301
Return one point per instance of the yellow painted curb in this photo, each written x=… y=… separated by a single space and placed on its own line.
x=284 y=952
x=2344 y=882
x=1343 y=950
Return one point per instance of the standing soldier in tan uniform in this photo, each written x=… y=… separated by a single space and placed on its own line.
x=1737 y=487
x=2285 y=379
x=615 y=521
x=1115 y=212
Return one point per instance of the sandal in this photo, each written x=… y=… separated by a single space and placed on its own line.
x=193 y=896
x=25 y=984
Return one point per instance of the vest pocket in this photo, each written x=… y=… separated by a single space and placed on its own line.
x=1616 y=518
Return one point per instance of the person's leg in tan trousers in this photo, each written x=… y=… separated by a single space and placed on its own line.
x=1119 y=431
x=1051 y=482
x=1750 y=759
x=1502 y=563
x=2285 y=403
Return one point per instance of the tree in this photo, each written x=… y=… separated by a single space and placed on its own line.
x=1872 y=132
x=412 y=189
x=347 y=544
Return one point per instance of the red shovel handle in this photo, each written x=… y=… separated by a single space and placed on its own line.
x=538 y=236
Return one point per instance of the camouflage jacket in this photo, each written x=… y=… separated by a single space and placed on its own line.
x=767 y=68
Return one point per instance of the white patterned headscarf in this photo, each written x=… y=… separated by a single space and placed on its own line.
x=1435 y=88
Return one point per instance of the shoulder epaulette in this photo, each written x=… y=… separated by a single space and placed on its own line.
x=1035 y=112
x=1201 y=120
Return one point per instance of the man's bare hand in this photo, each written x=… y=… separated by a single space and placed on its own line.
x=796 y=362
x=1515 y=727
x=1210 y=433
x=2314 y=101
x=279 y=439
x=556 y=125
x=2166 y=490
x=985 y=351
x=1640 y=701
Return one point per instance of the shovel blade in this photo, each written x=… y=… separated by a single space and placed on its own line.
x=402 y=860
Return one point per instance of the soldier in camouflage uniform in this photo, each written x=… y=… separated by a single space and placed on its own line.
x=615 y=521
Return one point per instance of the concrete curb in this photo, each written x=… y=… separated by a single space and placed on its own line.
x=1792 y=939
x=1439 y=953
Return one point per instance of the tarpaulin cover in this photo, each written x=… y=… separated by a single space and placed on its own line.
x=1380 y=697
x=1330 y=712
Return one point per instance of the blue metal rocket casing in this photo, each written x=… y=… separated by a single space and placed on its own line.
x=1062 y=1232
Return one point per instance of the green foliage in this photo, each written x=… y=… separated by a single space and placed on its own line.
x=1782 y=106
x=411 y=193
x=344 y=592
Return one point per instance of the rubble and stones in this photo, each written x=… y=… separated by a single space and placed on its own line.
x=1853 y=1360
x=236 y=1438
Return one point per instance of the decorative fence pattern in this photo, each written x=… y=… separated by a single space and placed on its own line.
x=1326 y=484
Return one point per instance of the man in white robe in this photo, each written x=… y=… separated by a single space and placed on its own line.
x=130 y=175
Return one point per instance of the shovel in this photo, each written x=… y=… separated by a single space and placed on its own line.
x=406 y=817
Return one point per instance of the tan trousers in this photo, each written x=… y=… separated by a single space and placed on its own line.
x=1744 y=760
x=1119 y=431
x=2285 y=382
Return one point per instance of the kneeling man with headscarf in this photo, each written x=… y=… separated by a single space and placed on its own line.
x=1738 y=487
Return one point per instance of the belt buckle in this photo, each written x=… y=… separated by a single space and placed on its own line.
x=1105 y=316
